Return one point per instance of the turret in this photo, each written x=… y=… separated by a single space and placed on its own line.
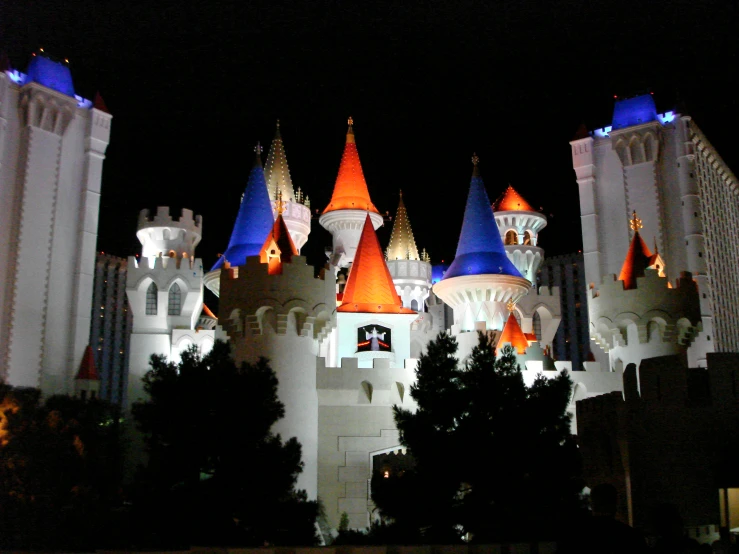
x=162 y=236
x=349 y=206
x=87 y=380
x=411 y=272
x=640 y=314
x=296 y=207
x=519 y=225
x=481 y=279
x=253 y=222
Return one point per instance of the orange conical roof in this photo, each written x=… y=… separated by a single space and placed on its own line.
x=87 y=369
x=205 y=312
x=370 y=287
x=513 y=334
x=350 y=190
x=638 y=258
x=279 y=247
x=511 y=201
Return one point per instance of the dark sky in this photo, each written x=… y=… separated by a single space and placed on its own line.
x=193 y=85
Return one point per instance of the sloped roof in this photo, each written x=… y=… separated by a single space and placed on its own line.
x=402 y=245
x=513 y=334
x=205 y=312
x=51 y=74
x=276 y=171
x=350 y=190
x=278 y=248
x=87 y=371
x=253 y=222
x=511 y=201
x=370 y=287
x=638 y=258
x=480 y=249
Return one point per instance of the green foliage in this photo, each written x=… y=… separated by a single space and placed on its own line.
x=216 y=473
x=60 y=471
x=494 y=459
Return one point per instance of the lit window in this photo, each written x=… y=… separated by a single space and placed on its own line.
x=175 y=300
x=151 y=299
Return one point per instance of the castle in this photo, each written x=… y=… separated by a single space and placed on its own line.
x=344 y=343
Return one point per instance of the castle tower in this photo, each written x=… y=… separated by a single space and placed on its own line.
x=481 y=279
x=253 y=222
x=272 y=306
x=519 y=226
x=662 y=165
x=165 y=292
x=296 y=210
x=640 y=315
x=411 y=273
x=350 y=203
x=371 y=320
x=52 y=147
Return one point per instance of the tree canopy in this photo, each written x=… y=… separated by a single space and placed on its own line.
x=494 y=459
x=216 y=474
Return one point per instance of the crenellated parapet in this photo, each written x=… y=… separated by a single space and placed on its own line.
x=651 y=319
x=161 y=234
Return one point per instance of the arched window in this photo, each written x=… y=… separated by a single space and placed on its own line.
x=414 y=305
x=537 y=325
x=511 y=237
x=175 y=300
x=151 y=299
x=527 y=238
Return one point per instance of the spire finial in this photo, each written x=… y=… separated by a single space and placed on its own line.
x=475 y=159
x=258 y=148
x=510 y=305
x=635 y=222
x=400 y=191
x=278 y=123
x=279 y=204
x=350 y=121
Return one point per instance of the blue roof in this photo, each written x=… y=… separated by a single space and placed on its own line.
x=480 y=250
x=437 y=272
x=634 y=111
x=55 y=75
x=253 y=222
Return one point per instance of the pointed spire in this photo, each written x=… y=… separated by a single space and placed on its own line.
x=480 y=249
x=475 y=165
x=402 y=245
x=638 y=258
x=278 y=248
x=513 y=334
x=511 y=201
x=370 y=287
x=350 y=190
x=206 y=312
x=99 y=104
x=277 y=172
x=254 y=220
x=87 y=370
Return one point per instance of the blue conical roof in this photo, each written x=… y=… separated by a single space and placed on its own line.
x=480 y=250
x=253 y=222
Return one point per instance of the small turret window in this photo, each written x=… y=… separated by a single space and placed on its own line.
x=175 y=300
x=511 y=237
x=527 y=238
x=151 y=299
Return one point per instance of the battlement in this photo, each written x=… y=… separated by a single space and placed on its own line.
x=165 y=264
x=162 y=234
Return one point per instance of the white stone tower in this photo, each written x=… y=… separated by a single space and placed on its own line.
x=296 y=207
x=165 y=292
x=52 y=147
x=350 y=203
x=411 y=272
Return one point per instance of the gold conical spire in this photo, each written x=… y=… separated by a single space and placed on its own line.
x=402 y=245
x=276 y=172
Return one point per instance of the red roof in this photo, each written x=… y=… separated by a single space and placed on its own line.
x=370 y=287
x=87 y=369
x=350 y=190
x=511 y=201
x=638 y=258
x=99 y=104
x=278 y=248
x=207 y=313
x=512 y=333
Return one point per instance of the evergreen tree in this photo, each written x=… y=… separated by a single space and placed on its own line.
x=494 y=459
x=216 y=474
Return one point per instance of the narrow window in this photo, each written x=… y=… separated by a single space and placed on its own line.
x=175 y=300
x=151 y=299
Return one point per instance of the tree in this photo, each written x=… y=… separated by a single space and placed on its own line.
x=494 y=459
x=60 y=471
x=216 y=474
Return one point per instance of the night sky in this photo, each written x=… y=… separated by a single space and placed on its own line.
x=193 y=86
